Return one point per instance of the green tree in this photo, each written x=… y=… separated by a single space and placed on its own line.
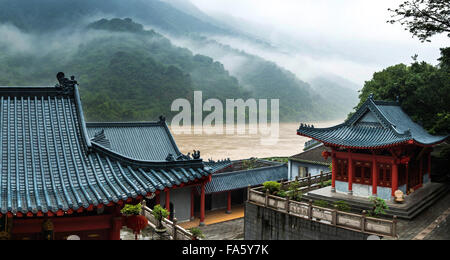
x=423 y=91
x=423 y=18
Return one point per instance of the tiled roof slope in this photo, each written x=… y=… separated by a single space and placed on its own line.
x=242 y=179
x=377 y=124
x=147 y=141
x=313 y=156
x=48 y=164
x=214 y=166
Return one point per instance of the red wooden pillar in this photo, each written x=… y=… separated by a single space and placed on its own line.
x=202 y=205
x=407 y=177
x=333 y=172
x=116 y=224
x=374 y=176
x=168 y=200
x=350 y=173
x=228 y=202
x=421 y=171
x=115 y=229
x=394 y=178
x=192 y=203
x=158 y=199
x=429 y=166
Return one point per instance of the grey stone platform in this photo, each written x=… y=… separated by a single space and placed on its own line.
x=414 y=203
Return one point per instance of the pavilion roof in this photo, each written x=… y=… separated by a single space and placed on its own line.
x=313 y=156
x=50 y=165
x=377 y=124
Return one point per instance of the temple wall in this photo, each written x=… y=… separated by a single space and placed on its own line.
x=262 y=223
x=219 y=200
x=313 y=169
x=366 y=190
x=181 y=200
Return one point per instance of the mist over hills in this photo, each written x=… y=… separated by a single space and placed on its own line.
x=131 y=73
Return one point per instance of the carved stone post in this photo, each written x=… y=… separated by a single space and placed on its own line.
x=309 y=181
x=363 y=221
x=174 y=228
x=394 y=226
x=310 y=212
x=287 y=204
x=334 y=216
x=143 y=204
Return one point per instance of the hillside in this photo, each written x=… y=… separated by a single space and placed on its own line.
x=122 y=66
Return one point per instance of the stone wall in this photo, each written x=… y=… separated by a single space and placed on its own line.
x=266 y=224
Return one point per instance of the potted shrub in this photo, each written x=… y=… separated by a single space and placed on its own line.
x=133 y=220
x=196 y=233
x=379 y=207
x=160 y=213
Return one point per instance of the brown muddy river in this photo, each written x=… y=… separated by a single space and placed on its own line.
x=218 y=147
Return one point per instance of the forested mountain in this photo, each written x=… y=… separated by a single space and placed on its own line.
x=129 y=73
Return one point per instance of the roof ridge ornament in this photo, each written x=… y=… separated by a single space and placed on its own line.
x=66 y=85
x=371 y=96
x=196 y=155
x=162 y=118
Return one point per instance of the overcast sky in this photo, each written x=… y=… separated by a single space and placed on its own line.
x=347 y=37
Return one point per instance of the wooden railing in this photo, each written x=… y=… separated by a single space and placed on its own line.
x=306 y=210
x=175 y=232
x=307 y=183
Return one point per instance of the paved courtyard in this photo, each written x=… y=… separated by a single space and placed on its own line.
x=431 y=224
x=229 y=230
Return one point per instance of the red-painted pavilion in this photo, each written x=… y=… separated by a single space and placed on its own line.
x=377 y=151
x=56 y=181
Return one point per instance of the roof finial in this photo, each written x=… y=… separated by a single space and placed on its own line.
x=371 y=96
x=162 y=119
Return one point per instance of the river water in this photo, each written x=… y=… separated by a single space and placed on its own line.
x=235 y=147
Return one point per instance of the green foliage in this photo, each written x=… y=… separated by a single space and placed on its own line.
x=321 y=203
x=272 y=186
x=343 y=206
x=249 y=164
x=196 y=232
x=160 y=213
x=423 y=91
x=282 y=193
x=294 y=192
x=129 y=209
x=325 y=183
x=278 y=159
x=379 y=206
x=423 y=18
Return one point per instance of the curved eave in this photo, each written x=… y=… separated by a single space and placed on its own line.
x=93 y=206
x=439 y=141
x=145 y=164
x=393 y=144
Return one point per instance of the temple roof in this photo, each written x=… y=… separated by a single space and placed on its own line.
x=377 y=124
x=148 y=141
x=49 y=163
x=313 y=156
x=228 y=181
